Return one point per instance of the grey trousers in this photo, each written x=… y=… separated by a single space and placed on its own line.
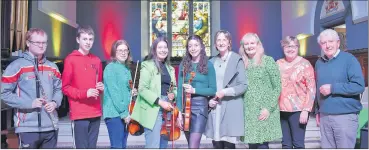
x=338 y=131
x=38 y=140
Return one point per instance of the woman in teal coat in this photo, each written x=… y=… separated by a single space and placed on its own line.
x=117 y=94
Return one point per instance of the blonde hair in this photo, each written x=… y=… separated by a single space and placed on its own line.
x=259 y=51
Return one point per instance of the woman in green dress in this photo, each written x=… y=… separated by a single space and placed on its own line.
x=262 y=123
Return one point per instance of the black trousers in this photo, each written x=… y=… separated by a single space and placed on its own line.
x=264 y=145
x=86 y=132
x=223 y=145
x=293 y=132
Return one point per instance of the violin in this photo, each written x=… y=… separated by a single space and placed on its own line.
x=133 y=127
x=187 y=113
x=169 y=130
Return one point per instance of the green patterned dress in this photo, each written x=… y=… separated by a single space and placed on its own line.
x=264 y=86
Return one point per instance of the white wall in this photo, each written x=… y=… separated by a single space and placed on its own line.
x=66 y=9
x=359 y=11
x=298 y=17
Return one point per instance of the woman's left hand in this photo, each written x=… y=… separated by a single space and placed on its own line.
x=304 y=117
x=188 y=88
x=264 y=114
x=219 y=94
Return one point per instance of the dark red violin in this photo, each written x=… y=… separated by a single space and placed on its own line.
x=187 y=113
x=169 y=129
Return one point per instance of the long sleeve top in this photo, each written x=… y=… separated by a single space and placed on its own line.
x=344 y=74
x=116 y=90
x=298 y=85
x=263 y=91
x=204 y=84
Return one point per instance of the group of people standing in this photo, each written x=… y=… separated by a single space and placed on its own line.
x=244 y=96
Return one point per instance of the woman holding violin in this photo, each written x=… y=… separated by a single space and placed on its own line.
x=226 y=121
x=197 y=77
x=154 y=98
x=117 y=94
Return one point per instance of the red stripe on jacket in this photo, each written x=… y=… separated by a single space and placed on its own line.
x=15 y=77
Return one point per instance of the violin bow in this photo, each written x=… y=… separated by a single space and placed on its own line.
x=174 y=123
x=183 y=79
x=134 y=82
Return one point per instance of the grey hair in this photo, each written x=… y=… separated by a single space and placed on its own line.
x=328 y=32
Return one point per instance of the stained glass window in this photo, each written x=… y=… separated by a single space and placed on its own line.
x=158 y=21
x=201 y=23
x=180 y=26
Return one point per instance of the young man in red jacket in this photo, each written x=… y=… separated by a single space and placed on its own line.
x=81 y=82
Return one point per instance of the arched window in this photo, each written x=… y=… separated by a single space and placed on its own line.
x=177 y=20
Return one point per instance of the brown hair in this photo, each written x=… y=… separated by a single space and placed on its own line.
x=203 y=63
x=285 y=41
x=113 y=53
x=227 y=35
x=85 y=29
x=32 y=31
x=152 y=55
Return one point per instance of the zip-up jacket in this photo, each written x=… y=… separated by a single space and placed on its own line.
x=18 y=90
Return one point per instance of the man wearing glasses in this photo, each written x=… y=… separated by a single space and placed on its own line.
x=34 y=118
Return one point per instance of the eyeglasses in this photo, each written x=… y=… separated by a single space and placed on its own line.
x=123 y=51
x=39 y=44
x=291 y=46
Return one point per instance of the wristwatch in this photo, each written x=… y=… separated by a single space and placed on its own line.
x=54 y=102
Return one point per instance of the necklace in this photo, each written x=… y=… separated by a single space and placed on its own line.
x=223 y=61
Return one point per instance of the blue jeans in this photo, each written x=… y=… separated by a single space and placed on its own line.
x=118 y=133
x=152 y=137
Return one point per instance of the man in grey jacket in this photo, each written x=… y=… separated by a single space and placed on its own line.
x=18 y=90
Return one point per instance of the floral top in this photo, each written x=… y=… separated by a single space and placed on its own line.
x=298 y=85
x=264 y=86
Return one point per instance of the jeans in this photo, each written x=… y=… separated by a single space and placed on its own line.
x=152 y=137
x=118 y=133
